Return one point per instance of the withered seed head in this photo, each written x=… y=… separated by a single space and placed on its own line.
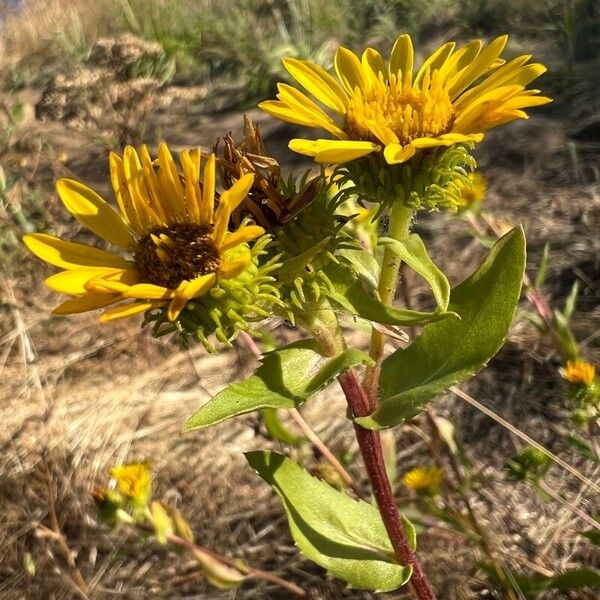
x=265 y=204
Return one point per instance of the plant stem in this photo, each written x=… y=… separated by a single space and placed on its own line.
x=371 y=451
x=77 y=578
x=399 y=229
x=323 y=325
x=234 y=564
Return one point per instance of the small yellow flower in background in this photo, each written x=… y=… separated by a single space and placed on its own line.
x=179 y=245
x=424 y=479
x=579 y=372
x=456 y=95
x=133 y=481
x=474 y=193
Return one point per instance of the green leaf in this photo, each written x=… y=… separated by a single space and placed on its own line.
x=570 y=302
x=364 y=263
x=412 y=251
x=277 y=430
x=540 y=278
x=349 y=293
x=454 y=350
x=532 y=585
x=286 y=379
x=593 y=535
x=345 y=536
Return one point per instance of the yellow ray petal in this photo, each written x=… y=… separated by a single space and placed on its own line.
x=208 y=191
x=230 y=199
x=434 y=61
x=233 y=268
x=127 y=310
x=138 y=192
x=318 y=82
x=242 y=235
x=499 y=117
x=305 y=107
x=395 y=154
x=170 y=185
x=86 y=303
x=402 y=58
x=121 y=189
x=280 y=110
x=73 y=282
x=447 y=139
x=175 y=307
x=70 y=255
x=149 y=291
x=513 y=73
x=477 y=67
x=94 y=213
x=462 y=58
x=527 y=101
x=197 y=287
x=333 y=151
x=373 y=65
x=155 y=199
x=485 y=104
x=119 y=281
x=239 y=190
x=349 y=70
x=383 y=133
x=193 y=193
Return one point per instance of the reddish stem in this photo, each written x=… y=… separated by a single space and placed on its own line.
x=370 y=448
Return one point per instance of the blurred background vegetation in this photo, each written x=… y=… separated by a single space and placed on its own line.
x=245 y=40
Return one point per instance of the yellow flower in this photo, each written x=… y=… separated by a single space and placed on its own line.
x=579 y=372
x=423 y=478
x=179 y=245
x=133 y=481
x=475 y=192
x=455 y=96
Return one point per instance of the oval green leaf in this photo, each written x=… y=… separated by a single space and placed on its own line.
x=454 y=350
x=349 y=293
x=286 y=378
x=345 y=536
x=412 y=251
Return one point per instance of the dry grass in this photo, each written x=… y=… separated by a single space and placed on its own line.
x=79 y=397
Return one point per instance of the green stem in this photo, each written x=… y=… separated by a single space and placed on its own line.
x=399 y=229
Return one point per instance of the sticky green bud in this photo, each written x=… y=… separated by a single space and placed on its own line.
x=432 y=182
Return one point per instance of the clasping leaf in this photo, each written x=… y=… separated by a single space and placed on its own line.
x=454 y=349
x=286 y=378
x=345 y=536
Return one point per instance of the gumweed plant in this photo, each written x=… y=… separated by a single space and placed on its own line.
x=209 y=248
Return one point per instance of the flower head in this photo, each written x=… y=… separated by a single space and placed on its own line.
x=474 y=193
x=579 y=372
x=173 y=227
x=456 y=95
x=424 y=479
x=134 y=482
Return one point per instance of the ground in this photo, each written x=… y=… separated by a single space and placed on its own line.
x=79 y=397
